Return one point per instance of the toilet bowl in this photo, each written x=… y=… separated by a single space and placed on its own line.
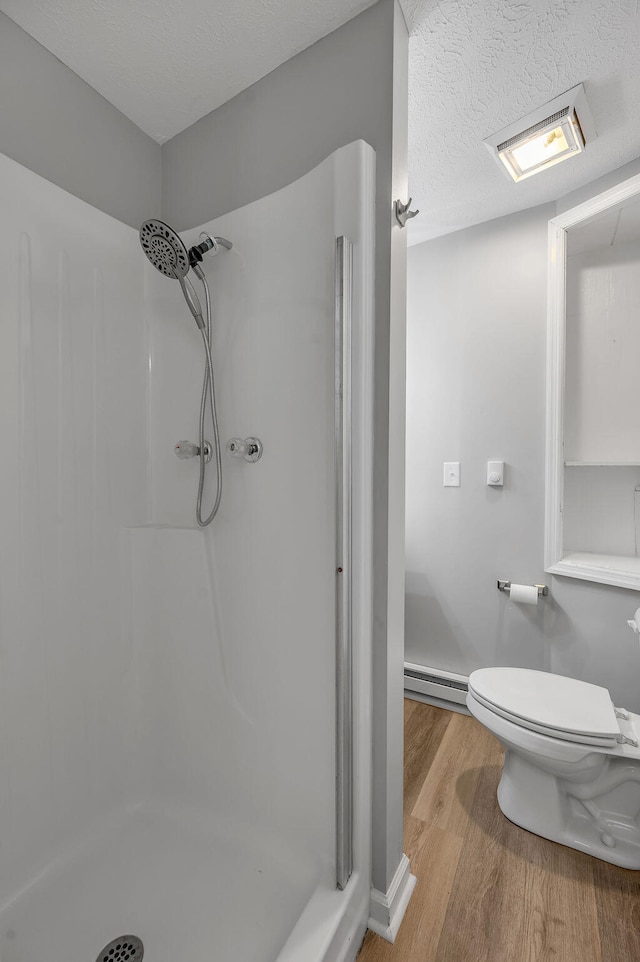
x=572 y=762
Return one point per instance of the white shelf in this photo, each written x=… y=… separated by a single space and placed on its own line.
x=620 y=570
x=613 y=562
x=590 y=344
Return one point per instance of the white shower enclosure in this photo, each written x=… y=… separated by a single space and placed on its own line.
x=171 y=730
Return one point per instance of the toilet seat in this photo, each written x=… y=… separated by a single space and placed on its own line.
x=552 y=705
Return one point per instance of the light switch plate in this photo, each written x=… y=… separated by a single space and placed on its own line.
x=451 y=477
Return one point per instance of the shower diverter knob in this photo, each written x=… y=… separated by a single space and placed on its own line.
x=248 y=448
x=187 y=449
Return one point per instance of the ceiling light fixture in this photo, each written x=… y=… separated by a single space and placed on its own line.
x=552 y=133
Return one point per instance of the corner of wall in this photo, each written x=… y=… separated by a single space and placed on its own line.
x=62 y=129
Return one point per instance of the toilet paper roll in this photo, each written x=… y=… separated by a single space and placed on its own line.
x=524 y=594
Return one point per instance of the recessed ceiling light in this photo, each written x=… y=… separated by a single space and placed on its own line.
x=552 y=133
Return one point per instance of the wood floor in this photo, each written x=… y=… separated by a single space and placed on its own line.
x=488 y=891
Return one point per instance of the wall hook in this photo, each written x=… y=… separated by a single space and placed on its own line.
x=402 y=212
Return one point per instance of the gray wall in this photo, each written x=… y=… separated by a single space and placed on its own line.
x=476 y=391
x=339 y=90
x=334 y=92
x=58 y=126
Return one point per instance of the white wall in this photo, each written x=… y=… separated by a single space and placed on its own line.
x=611 y=179
x=237 y=622
x=476 y=361
x=601 y=510
x=251 y=598
x=144 y=659
x=601 y=507
x=351 y=84
x=388 y=705
x=73 y=367
x=603 y=346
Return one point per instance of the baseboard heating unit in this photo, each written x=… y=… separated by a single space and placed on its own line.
x=435 y=683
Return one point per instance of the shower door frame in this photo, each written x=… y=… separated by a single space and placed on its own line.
x=334 y=921
x=344 y=620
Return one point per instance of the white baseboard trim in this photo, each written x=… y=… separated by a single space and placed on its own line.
x=436 y=702
x=436 y=683
x=386 y=909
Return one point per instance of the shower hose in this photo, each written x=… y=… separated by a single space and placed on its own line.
x=208 y=395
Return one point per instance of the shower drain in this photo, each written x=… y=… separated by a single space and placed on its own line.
x=126 y=948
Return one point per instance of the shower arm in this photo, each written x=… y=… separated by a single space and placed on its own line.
x=209 y=244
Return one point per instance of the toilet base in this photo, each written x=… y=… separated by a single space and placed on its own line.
x=604 y=825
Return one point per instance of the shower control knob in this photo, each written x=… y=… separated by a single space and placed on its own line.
x=248 y=448
x=187 y=449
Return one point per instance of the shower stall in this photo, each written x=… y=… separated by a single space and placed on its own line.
x=185 y=730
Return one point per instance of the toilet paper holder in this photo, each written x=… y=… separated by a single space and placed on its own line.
x=543 y=590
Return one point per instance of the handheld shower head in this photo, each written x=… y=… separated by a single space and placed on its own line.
x=164 y=248
x=167 y=253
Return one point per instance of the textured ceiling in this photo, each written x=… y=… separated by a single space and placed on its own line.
x=475 y=66
x=478 y=65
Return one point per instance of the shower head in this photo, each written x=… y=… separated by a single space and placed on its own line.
x=168 y=254
x=164 y=248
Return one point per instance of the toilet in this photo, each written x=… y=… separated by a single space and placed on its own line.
x=572 y=764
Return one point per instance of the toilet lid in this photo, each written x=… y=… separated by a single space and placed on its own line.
x=552 y=704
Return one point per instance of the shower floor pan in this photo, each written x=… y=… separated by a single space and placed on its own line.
x=188 y=890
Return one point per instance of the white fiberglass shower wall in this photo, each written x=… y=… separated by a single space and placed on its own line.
x=167 y=752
